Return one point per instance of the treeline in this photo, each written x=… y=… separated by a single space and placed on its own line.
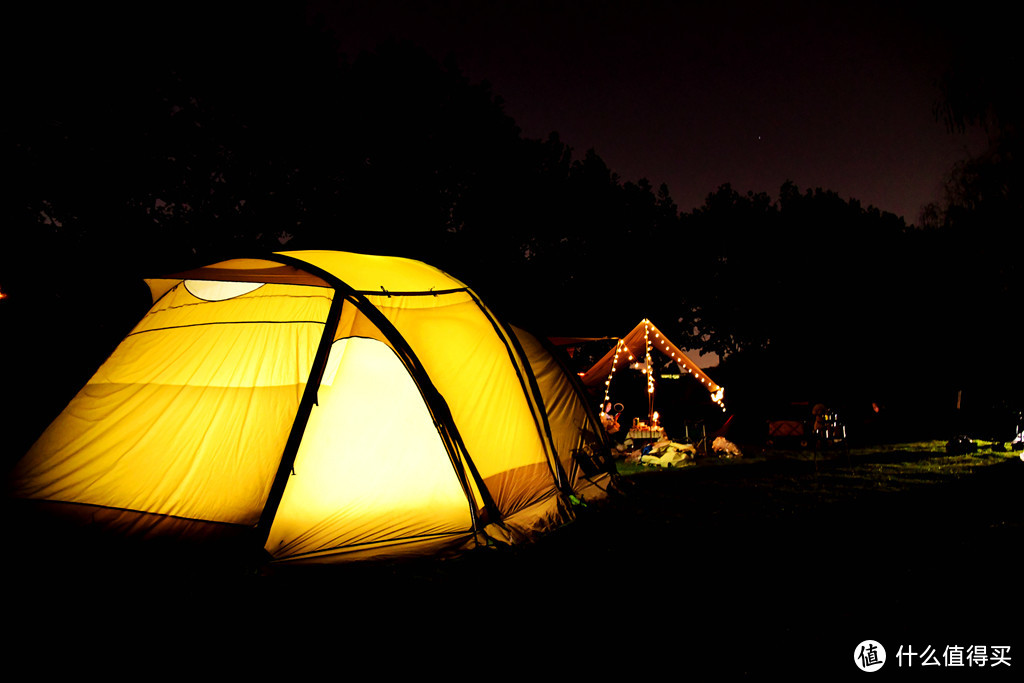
x=190 y=138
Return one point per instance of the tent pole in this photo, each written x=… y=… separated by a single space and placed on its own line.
x=436 y=404
x=530 y=388
x=309 y=398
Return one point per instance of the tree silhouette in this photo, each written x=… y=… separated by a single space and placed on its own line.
x=193 y=136
x=982 y=213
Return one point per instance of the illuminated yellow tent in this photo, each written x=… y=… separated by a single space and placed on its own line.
x=326 y=405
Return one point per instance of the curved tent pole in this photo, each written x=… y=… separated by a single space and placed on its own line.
x=529 y=384
x=577 y=385
x=556 y=463
x=435 y=402
x=309 y=398
x=588 y=409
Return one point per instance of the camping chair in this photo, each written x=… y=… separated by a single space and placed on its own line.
x=593 y=461
x=695 y=432
x=704 y=443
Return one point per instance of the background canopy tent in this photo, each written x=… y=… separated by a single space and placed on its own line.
x=636 y=347
x=327 y=406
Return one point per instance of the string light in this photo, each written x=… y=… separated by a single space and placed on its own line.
x=615 y=361
x=649 y=370
x=681 y=360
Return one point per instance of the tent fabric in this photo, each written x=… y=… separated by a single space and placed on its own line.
x=372 y=485
x=575 y=430
x=331 y=405
x=634 y=344
x=177 y=422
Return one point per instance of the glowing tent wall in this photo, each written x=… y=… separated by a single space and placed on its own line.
x=343 y=404
x=571 y=422
x=178 y=426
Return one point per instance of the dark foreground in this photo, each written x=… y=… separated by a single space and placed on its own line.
x=776 y=568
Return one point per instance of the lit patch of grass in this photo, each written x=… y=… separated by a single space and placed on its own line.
x=838 y=473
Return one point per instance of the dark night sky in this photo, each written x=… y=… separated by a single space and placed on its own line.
x=696 y=94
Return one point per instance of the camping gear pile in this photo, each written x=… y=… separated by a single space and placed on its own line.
x=664 y=453
x=819 y=427
x=668 y=453
x=321 y=406
x=724 y=448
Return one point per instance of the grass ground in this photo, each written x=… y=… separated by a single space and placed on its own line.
x=797 y=557
x=775 y=565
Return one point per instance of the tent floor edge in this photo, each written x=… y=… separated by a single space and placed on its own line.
x=539 y=518
x=438 y=546
x=117 y=543
x=596 y=488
